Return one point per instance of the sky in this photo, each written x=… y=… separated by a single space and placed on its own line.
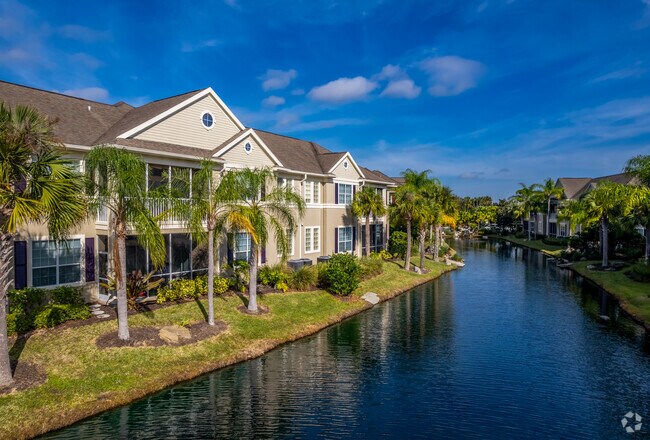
x=485 y=93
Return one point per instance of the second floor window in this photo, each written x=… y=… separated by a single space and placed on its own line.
x=312 y=192
x=344 y=194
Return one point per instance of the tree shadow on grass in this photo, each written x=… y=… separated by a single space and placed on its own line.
x=244 y=298
x=16 y=350
x=201 y=308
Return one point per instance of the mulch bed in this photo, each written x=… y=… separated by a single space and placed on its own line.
x=261 y=310
x=26 y=375
x=148 y=336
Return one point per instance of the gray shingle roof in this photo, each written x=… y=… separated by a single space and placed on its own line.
x=576 y=187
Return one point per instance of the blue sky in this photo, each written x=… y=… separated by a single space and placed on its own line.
x=485 y=93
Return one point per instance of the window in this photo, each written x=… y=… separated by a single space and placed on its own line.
x=312 y=192
x=562 y=230
x=345 y=239
x=207 y=119
x=248 y=148
x=346 y=164
x=242 y=246
x=56 y=263
x=312 y=239
x=290 y=240
x=284 y=182
x=345 y=194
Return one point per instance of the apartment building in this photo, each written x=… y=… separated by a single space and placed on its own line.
x=173 y=135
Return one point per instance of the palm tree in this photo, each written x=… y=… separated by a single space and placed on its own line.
x=604 y=203
x=36 y=185
x=212 y=211
x=116 y=181
x=639 y=166
x=447 y=216
x=548 y=190
x=368 y=202
x=640 y=215
x=276 y=211
x=526 y=199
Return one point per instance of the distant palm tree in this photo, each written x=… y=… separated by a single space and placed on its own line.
x=548 y=190
x=446 y=215
x=368 y=202
x=640 y=215
x=639 y=166
x=211 y=211
x=116 y=181
x=526 y=198
x=36 y=185
x=274 y=211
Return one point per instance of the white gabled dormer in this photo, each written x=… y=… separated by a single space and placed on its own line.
x=201 y=121
x=249 y=150
x=346 y=168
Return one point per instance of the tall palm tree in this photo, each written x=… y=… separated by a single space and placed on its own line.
x=274 y=211
x=36 y=185
x=368 y=202
x=640 y=215
x=548 y=190
x=116 y=181
x=446 y=216
x=211 y=212
x=607 y=201
x=526 y=199
x=639 y=166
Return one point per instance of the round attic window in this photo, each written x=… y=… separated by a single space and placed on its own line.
x=346 y=164
x=248 y=147
x=207 y=119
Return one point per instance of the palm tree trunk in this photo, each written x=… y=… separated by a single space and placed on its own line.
x=252 y=282
x=436 y=244
x=367 y=248
x=407 y=259
x=548 y=217
x=5 y=269
x=422 y=237
x=647 y=244
x=120 y=273
x=211 y=276
x=604 y=227
x=529 y=235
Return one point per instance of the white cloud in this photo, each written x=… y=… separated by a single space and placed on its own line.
x=277 y=79
x=92 y=93
x=343 y=90
x=323 y=124
x=391 y=71
x=451 y=75
x=298 y=92
x=273 y=101
x=194 y=47
x=628 y=72
x=403 y=88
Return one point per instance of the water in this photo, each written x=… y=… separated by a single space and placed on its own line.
x=508 y=347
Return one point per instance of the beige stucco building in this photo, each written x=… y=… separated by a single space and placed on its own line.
x=172 y=136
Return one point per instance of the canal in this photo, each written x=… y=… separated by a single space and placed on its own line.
x=508 y=347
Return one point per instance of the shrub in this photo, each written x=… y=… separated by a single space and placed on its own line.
x=456 y=257
x=342 y=274
x=556 y=241
x=304 y=278
x=640 y=272
x=239 y=279
x=371 y=267
x=520 y=234
x=67 y=295
x=137 y=285
x=274 y=276
x=219 y=286
x=397 y=243
x=55 y=314
x=384 y=255
x=442 y=251
x=28 y=300
x=178 y=290
x=18 y=322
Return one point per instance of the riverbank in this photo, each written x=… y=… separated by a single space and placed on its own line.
x=633 y=296
x=84 y=380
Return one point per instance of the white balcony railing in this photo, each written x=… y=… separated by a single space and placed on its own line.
x=157 y=207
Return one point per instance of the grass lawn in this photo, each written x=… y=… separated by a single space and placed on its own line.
x=634 y=297
x=83 y=380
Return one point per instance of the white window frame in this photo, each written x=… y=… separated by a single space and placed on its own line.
x=351 y=240
x=311 y=245
x=248 y=247
x=57 y=263
x=206 y=112
x=292 y=242
x=341 y=185
x=285 y=182
x=312 y=192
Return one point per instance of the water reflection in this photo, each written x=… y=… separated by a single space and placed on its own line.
x=509 y=347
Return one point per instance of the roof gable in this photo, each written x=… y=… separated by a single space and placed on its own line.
x=235 y=151
x=351 y=171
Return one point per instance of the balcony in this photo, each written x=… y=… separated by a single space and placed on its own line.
x=157 y=208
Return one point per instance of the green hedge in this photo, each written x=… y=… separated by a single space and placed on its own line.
x=341 y=275
x=187 y=289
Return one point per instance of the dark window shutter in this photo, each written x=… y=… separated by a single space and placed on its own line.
x=89 y=253
x=229 y=248
x=20 y=264
x=354 y=238
x=354 y=190
x=263 y=254
x=336 y=240
x=336 y=193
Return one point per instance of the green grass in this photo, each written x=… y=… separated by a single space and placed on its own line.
x=634 y=297
x=84 y=380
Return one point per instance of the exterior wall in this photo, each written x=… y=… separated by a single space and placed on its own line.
x=351 y=173
x=256 y=158
x=185 y=127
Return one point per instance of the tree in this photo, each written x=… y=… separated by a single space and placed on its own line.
x=116 y=181
x=446 y=215
x=277 y=211
x=548 y=190
x=604 y=203
x=639 y=166
x=526 y=198
x=37 y=185
x=368 y=202
x=211 y=211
